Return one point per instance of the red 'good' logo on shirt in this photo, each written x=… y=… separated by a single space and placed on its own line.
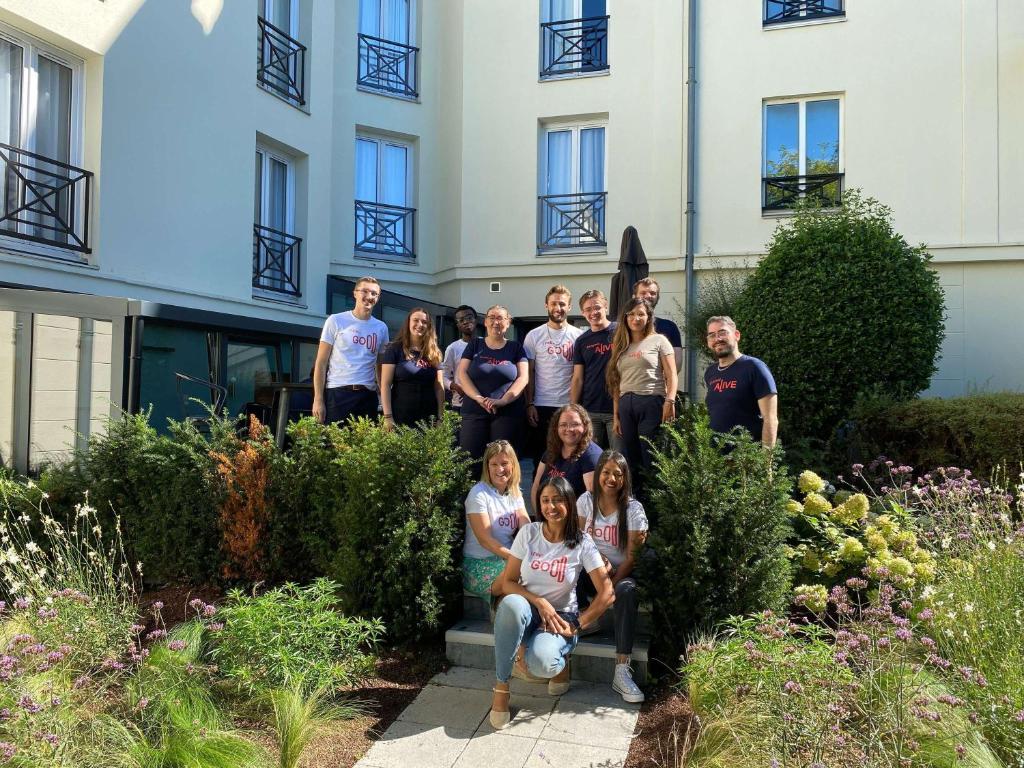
x=511 y=520
x=608 y=533
x=555 y=568
x=369 y=341
x=560 y=350
x=720 y=385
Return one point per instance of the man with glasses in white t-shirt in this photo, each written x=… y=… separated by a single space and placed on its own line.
x=346 y=361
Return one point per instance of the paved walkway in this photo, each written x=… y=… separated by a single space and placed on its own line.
x=447 y=727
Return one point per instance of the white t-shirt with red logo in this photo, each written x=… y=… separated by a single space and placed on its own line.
x=356 y=344
x=551 y=570
x=502 y=518
x=551 y=353
x=605 y=530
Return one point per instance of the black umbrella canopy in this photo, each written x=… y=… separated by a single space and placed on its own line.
x=632 y=267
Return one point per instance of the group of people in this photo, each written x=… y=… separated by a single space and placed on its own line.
x=585 y=406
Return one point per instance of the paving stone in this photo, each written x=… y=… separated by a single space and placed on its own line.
x=529 y=716
x=453 y=707
x=407 y=744
x=599 y=694
x=555 y=754
x=591 y=724
x=465 y=677
x=496 y=750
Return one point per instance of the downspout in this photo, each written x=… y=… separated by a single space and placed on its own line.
x=691 y=176
x=134 y=379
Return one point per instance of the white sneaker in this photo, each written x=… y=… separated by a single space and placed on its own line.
x=623 y=684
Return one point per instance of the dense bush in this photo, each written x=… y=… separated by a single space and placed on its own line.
x=718 y=290
x=841 y=305
x=979 y=431
x=719 y=530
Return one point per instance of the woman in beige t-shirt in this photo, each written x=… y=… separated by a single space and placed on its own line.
x=642 y=381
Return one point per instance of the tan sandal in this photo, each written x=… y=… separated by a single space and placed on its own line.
x=500 y=720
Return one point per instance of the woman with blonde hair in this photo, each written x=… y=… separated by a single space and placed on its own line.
x=571 y=451
x=410 y=373
x=494 y=514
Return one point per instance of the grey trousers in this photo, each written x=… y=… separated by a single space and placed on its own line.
x=604 y=435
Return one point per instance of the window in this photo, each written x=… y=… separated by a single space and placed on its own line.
x=573 y=37
x=782 y=11
x=572 y=206
x=387 y=59
x=802 y=152
x=384 y=220
x=45 y=198
x=277 y=251
x=282 y=58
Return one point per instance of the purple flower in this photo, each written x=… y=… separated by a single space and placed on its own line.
x=792 y=686
x=1019 y=716
x=157 y=634
x=926 y=615
x=177 y=645
x=858 y=469
x=209 y=610
x=27 y=704
x=50 y=738
x=904 y=634
x=195 y=604
x=22 y=603
x=7 y=750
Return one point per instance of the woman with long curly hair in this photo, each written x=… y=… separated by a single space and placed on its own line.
x=410 y=373
x=642 y=381
x=571 y=451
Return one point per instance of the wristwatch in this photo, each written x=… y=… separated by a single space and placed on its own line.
x=574 y=622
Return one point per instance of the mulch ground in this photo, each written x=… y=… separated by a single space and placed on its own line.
x=661 y=731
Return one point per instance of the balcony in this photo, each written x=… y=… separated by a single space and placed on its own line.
x=387 y=66
x=780 y=193
x=44 y=200
x=785 y=11
x=574 y=46
x=276 y=261
x=385 y=230
x=571 y=221
x=282 y=64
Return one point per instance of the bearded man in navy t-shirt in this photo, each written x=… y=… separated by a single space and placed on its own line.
x=741 y=391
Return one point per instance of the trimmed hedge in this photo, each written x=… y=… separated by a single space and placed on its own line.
x=979 y=432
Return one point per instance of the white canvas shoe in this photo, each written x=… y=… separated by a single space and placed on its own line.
x=623 y=684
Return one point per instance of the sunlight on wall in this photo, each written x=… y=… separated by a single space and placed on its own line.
x=206 y=12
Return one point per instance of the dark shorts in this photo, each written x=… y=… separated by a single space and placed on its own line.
x=345 y=403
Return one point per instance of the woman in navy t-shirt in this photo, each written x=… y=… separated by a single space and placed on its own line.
x=492 y=373
x=571 y=451
x=410 y=373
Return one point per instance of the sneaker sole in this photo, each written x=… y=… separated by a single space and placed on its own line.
x=629 y=698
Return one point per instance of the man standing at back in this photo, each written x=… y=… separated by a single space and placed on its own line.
x=465 y=321
x=648 y=288
x=347 y=359
x=741 y=389
x=589 y=362
x=549 y=349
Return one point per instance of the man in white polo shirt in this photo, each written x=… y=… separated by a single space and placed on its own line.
x=347 y=359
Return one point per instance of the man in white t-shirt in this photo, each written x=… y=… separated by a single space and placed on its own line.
x=549 y=349
x=347 y=359
x=465 y=321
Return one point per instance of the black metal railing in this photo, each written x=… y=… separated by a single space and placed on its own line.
x=384 y=229
x=574 y=45
x=385 y=65
x=44 y=200
x=570 y=221
x=781 y=11
x=782 y=192
x=282 y=63
x=276 y=261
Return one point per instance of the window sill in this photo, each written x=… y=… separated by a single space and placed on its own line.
x=579 y=250
x=279 y=298
x=804 y=23
x=784 y=213
x=303 y=108
x=389 y=94
x=387 y=258
x=574 y=75
x=40 y=252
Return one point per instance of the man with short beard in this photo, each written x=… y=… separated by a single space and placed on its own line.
x=741 y=390
x=549 y=350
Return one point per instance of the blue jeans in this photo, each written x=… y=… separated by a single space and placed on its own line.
x=518 y=622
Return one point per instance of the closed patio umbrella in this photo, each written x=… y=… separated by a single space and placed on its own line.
x=632 y=267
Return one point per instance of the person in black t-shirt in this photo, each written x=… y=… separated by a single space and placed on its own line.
x=648 y=288
x=570 y=453
x=410 y=373
x=741 y=390
x=589 y=362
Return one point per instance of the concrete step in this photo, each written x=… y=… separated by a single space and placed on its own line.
x=470 y=643
x=473 y=608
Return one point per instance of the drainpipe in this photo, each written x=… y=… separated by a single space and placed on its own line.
x=691 y=174
x=133 y=386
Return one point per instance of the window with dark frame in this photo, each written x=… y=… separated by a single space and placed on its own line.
x=573 y=38
x=787 y=11
x=281 y=66
x=802 y=153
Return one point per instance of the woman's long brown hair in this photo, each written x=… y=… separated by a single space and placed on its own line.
x=622 y=498
x=621 y=340
x=429 y=351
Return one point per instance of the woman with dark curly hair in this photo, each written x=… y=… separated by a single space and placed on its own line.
x=571 y=451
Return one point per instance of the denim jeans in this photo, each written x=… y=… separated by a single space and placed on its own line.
x=518 y=622
x=604 y=434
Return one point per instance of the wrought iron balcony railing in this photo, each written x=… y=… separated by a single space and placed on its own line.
x=574 y=45
x=782 y=192
x=387 y=66
x=388 y=230
x=282 y=63
x=44 y=200
x=276 y=261
x=782 y=11
x=571 y=221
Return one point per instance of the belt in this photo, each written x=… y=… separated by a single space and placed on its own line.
x=354 y=388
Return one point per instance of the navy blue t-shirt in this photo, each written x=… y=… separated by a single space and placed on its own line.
x=669 y=330
x=733 y=394
x=573 y=470
x=593 y=350
x=492 y=371
x=416 y=370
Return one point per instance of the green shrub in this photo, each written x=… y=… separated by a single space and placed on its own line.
x=718 y=290
x=841 y=305
x=980 y=432
x=719 y=530
x=292 y=633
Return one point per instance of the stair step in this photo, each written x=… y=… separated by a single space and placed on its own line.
x=473 y=608
x=470 y=643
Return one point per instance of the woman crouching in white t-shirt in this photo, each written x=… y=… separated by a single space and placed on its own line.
x=618 y=526
x=537 y=622
x=494 y=514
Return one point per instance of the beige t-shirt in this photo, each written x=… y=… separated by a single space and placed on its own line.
x=640 y=366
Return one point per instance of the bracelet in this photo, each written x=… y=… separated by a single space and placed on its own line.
x=388 y=416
